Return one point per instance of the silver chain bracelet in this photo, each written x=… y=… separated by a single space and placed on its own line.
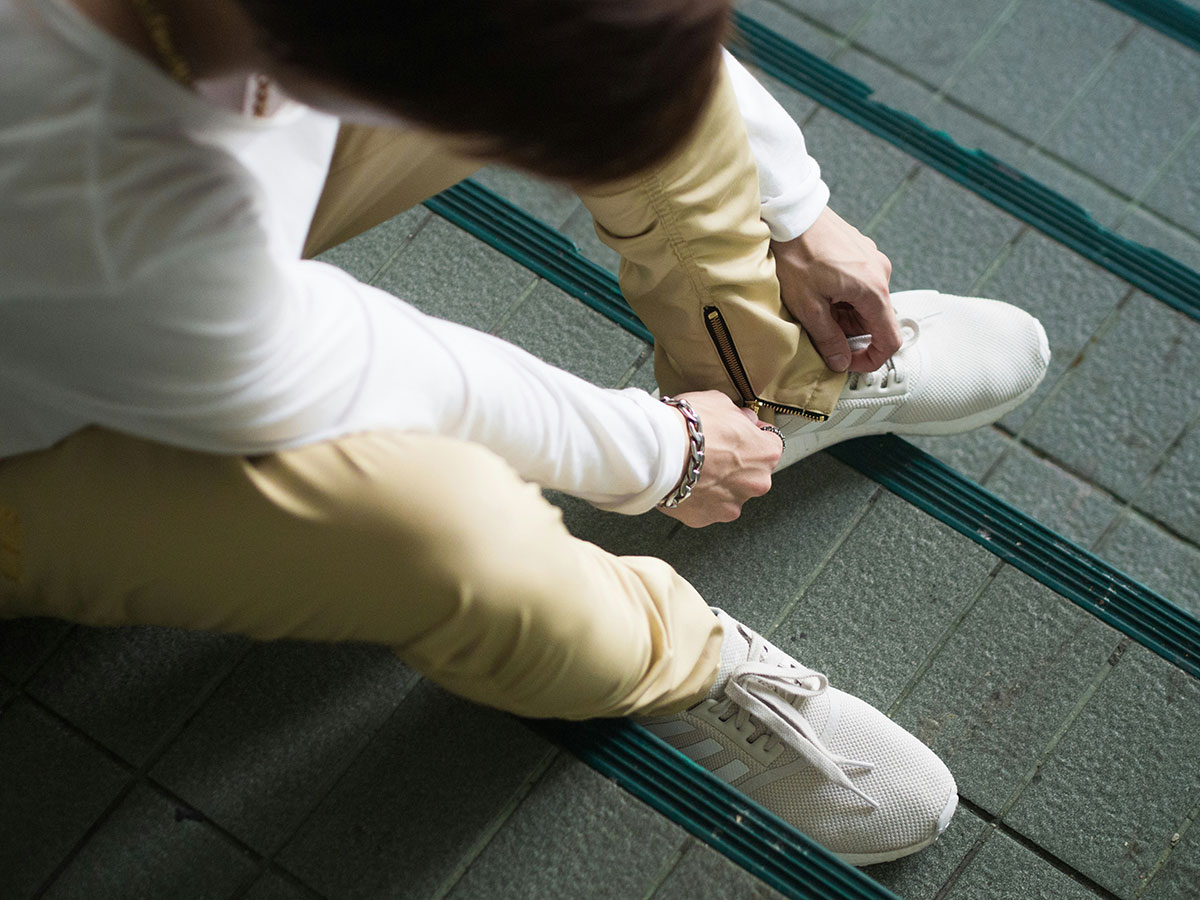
x=691 y=474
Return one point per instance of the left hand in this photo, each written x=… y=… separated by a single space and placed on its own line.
x=834 y=281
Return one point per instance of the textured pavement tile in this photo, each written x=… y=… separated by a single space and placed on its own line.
x=754 y=567
x=1100 y=202
x=1004 y=870
x=1151 y=231
x=889 y=86
x=704 y=874
x=546 y=200
x=150 y=847
x=939 y=235
x=1057 y=499
x=1158 y=559
x=270 y=741
x=836 y=15
x=581 y=228
x=972 y=453
x=363 y=256
x=1173 y=496
x=1025 y=76
x=784 y=23
x=415 y=801
x=928 y=38
x=54 y=787
x=576 y=835
x=272 y=887
x=1123 y=777
x=1123 y=129
x=1112 y=420
x=128 y=687
x=920 y=876
x=24 y=644
x=1069 y=295
x=1176 y=195
x=862 y=171
x=1002 y=685
x=557 y=328
x=1177 y=880
x=883 y=600
x=447 y=273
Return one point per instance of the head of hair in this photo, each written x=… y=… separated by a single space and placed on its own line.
x=583 y=90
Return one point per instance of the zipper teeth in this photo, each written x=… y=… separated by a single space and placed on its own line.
x=727 y=350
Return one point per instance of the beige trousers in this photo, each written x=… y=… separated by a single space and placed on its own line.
x=429 y=545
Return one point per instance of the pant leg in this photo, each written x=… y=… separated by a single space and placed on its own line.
x=691 y=240
x=427 y=544
x=377 y=173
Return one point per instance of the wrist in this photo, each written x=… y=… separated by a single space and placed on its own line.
x=695 y=456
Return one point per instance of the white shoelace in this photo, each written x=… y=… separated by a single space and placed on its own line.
x=764 y=693
x=887 y=372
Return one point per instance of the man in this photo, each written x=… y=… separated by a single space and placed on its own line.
x=199 y=428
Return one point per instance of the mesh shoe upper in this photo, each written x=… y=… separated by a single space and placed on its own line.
x=827 y=762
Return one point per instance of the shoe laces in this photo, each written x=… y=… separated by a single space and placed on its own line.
x=888 y=372
x=764 y=695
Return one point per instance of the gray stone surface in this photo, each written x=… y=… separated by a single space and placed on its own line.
x=581 y=228
x=836 y=15
x=1074 y=508
x=1112 y=421
x=704 y=874
x=784 y=23
x=1177 y=880
x=548 y=201
x=1123 y=778
x=1070 y=296
x=939 y=235
x=1173 y=496
x=566 y=333
x=1176 y=195
x=921 y=876
x=1124 y=128
x=929 y=38
x=1026 y=74
x=273 y=887
x=883 y=601
x=1004 y=870
x=1158 y=559
x=1004 y=682
x=26 y=643
x=151 y=847
x=446 y=272
x=576 y=835
x=365 y=255
x=1153 y=232
x=1098 y=200
x=416 y=801
x=55 y=786
x=262 y=751
x=862 y=171
x=971 y=454
x=129 y=688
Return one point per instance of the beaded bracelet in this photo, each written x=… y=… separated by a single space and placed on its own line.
x=691 y=474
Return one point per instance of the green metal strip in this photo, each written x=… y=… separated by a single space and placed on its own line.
x=1167 y=16
x=723 y=818
x=1035 y=204
x=922 y=480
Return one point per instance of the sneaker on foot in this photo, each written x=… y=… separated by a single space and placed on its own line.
x=828 y=763
x=965 y=362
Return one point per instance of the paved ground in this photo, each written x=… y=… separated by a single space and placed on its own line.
x=153 y=763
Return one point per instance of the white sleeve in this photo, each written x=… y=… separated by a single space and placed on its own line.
x=225 y=349
x=793 y=194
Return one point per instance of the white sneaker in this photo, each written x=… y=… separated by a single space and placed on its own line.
x=965 y=362
x=828 y=763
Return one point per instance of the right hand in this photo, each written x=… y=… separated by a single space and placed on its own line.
x=738 y=460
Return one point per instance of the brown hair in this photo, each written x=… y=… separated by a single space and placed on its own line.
x=586 y=90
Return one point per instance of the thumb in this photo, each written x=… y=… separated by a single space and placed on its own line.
x=827 y=336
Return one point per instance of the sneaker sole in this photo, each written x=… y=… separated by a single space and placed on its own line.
x=808 y=444
x=870 y=859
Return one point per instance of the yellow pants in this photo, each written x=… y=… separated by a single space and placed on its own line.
x=430 y=545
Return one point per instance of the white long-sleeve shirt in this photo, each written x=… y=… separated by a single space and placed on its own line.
x=150 y=282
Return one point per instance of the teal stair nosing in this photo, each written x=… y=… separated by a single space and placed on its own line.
x=916 y=476
x=1000 y=184
x=1168 y=17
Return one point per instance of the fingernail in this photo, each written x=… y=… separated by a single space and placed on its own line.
x=839 y=363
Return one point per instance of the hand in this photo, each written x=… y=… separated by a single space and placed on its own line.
x=738 y=460
x=834 y=281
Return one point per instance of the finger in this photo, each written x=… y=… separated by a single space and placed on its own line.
x=749 y=414
x=826 y=335
x=879 y=320
x=776 y=449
